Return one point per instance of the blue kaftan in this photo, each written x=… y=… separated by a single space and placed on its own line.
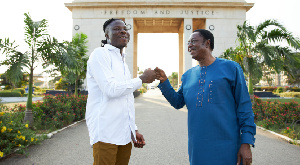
x=220 y=116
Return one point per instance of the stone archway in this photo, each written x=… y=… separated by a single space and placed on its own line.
x=166 y=25
x=161 y=16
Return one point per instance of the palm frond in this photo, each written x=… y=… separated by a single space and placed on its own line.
x=245 y=33
x=16 y=64
x=267 y=23
x=34 y=31
x=278 y=34
x=252 y=67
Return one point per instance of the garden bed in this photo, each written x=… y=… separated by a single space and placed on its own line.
x=280 y=117
x=54 y=113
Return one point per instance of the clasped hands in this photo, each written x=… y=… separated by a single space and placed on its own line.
x=150 y=75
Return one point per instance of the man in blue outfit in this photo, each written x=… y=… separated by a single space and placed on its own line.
x=221 y=125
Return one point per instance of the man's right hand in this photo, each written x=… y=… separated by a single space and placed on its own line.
x=148 y=76
x=160 y=75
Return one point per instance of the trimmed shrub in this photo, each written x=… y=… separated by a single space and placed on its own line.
x=22 y=90
x=279 y=90
x=38 y=93
x=294 y=89
x=285 y=88
x=268 y=89
x=37 y=88
x=10 y=94
x=7 y=87
x=290 y=94
x=257 y=88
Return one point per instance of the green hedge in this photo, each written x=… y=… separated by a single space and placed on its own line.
x=268 y=89
x=10 y=94
x=294 y=89
x=274 y=89
x=289 y=94
x=257 y=88
x=22 y=90
x=279 y=90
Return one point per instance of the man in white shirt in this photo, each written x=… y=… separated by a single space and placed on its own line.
x=110 y=113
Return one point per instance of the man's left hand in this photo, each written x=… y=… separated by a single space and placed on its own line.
x=244 y=154
x=140 y=141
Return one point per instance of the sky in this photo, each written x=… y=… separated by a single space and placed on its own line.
x=60 y=26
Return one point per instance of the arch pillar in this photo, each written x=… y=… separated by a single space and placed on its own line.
x=131 y=62
x=187 y=30
x=185 y=59
x=135 y=45
x=181 y=52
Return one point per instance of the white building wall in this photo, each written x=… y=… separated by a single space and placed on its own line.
x=93 y=29
x=225 y=29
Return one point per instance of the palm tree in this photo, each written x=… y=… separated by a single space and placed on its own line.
x=295 y=79
x=263 y=45
x=35 y=35
x=78 y=71
x=16 y=61
x=69 y=58
x=174 y=79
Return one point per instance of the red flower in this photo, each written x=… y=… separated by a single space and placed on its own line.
x=287 y=128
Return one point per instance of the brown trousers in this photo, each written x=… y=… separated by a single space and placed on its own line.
x=111 y=154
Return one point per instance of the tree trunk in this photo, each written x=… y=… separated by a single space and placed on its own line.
x=12 y=87
x=76 y=91
x=28 y=113
x=250 y=88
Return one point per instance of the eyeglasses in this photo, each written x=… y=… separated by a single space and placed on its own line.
x=193 y=42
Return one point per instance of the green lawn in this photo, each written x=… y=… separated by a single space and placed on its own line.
x=283 y=100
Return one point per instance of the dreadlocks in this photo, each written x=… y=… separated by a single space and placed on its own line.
x=103 y=42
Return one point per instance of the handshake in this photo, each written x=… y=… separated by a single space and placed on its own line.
x=150 y=75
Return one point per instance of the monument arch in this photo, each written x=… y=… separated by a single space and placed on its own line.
x=161 y=16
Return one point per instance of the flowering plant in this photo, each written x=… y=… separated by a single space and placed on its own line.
x=14 y=134
x=51 y=114
x=290 y=132
x=282 y=116
x=59 y=110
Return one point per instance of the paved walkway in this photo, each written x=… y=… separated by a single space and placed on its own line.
x=18 y=99
x=165 y=131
